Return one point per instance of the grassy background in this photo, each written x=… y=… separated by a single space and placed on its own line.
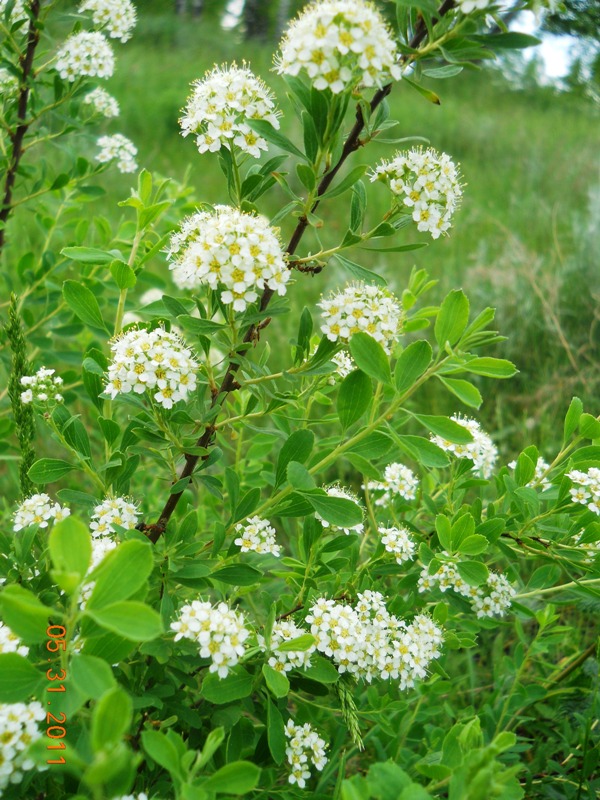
x=525 y=239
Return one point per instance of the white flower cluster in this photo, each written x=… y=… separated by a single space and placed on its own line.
x=481 y=451
x=113 y=511
x=158 y=361
x=340 y=44
x=218 y=630
x=100 y=548
x=38 y=510
x=257 y=534
x=466 y=6
x=304 y=744
x=540 y=468
x=120 y=149
x=85 y=54
x=399 y=542
x=369 y=642
x=397 y=480
x=8 y=82
x=18 y=727
x=43 y=387
x=10 y=643
x=427 y=183
x=18 y=12
x=220 y=106
x=591 y=549
x=102 y=102
x=362 y=307
x=344 y=494
x=238 y=251
x=285 y=660
x=344 y=365
x=494 y=598
x=587 y=488
x=117 y=17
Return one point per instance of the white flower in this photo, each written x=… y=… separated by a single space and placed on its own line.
x=102 y=102
x=156 y=361
x=398 y=480
x=18 y=13
x=466 y=6
x=42 y=387
x=345 y=494
x=257 y=534
x=591 y=549
x=85 y=54
x=38 y=509
x=218 y=630
x=399 y=542
x=304 y=745
x=285 y=660
x=339 y=45
x=220 y=106
x=139 y=796
x=113 y=511
x=362 y=307
x=344 y=365
x=497 y=599
x=481 y=451
x=117 y=17
x=427 y=184
x=541 y=467
x=232 y=250
x=18 y=730
x=587 y=488
x=120 y=149
x=10 y=643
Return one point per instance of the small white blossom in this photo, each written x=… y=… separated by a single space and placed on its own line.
x=587 y=488
x=139 y=796
x=113 y=511
x=493 y=598
x=10 y=643
x=117 y=17
x=38 y=509
x=156 y=361
x=239 y=253
x=256 y=534
x=304 y=746
x=427 y=184
x=497 y=599
x=344 y=365
x=102 y=102
x=339 y=45
x=285 y=660
x=43 y=387
x=591 y=549
x=85 y=54
x=481 y=451
x=398 y=480
x=344 y=494
x=362 y=307
x=18 y=730
x=399 y=542
x=220 y=106
x=120 y=149
x=218 y=630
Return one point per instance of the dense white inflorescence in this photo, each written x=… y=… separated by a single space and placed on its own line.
x=256 y=534
x=116 y=17
x=113 y=511
x=218 y=110
x=362 y=307
x=43 y=387
x=427 y=184
x=232 y=250
x=492 y=599
x=18 y=730
x=285 y=660
x=120 y=149
x=587 y=488
x=398 y=481
x=481 y=451
x=102 y=102
x=156 y=361
x=399 y=542
x=218 y=630
x=305 y=747
x=344 y=494
x=38 y=509
x=85 y=54
x=339 y=45
x=10 y=643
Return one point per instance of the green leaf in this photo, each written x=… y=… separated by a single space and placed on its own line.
x=239 y=778
x=358 y=206
x=572 y=418
x=452 y=318
x=322 y=670
x=275 y=733
x=491 y=367
x=297 y=448
x=70 y=545
x=48 y=470
x=375 y=445
x=508 y=41
x=121 y=573
x=24 y=614
x=589 y=426
x=268 y=132
x=411 y=364
x=473 y=572
x=354 y=175
x=299 y=477
x=237 y=685
x=473 y=545
x=91 y=676
x=277 y=682
x=299 y=644
x=426 y=93
x=359 y=272
x=354 y=398
x=162 y=750
x=82 y=301
x=425 y=452
x=111 y=718
x=123 y=274
x=464 y=390
x=370 y=357
x=19 y=679
x=443 y=529
x=238 y=575
x=88 y=255
x=335 y=510
x=129 y=619
x=446 y=428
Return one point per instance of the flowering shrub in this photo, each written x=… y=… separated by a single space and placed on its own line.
x=264 y=570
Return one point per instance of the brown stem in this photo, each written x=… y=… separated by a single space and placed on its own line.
x=228 y=384
x=17 y=137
